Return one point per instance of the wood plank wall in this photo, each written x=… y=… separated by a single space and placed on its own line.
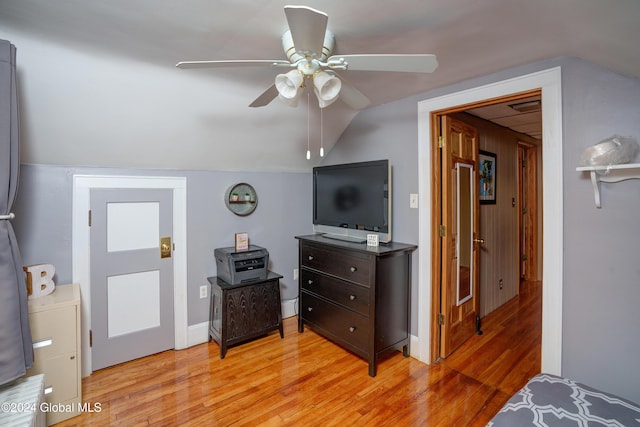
x=499 y=256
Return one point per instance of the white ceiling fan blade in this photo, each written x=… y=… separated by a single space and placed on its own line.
x=266 y=97
x=353 y=97
x=234 y=63
x=350 y=95
x=308 y=27
x=415 y=63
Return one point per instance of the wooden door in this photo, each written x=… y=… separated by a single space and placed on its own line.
x=528 y=206
x=131 y=274
x=460 y=290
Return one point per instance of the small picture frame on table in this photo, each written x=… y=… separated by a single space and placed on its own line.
x=242 y=241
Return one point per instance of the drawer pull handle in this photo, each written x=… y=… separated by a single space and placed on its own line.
x=353 y=269
x=310 y=282
x=48 y=390
x=352 y=297
x=310 y=257
x=352 y=328
x=46 y=342
x=309 y=308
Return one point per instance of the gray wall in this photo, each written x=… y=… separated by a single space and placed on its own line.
x=601 y=293
x=44 y=206
x=601 y=289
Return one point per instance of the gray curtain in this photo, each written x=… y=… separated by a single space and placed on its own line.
x=16 y=351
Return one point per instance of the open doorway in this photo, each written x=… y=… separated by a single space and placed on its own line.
x=549 y=83
x=492 y=151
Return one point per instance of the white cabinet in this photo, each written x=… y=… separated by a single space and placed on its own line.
x=55 y=333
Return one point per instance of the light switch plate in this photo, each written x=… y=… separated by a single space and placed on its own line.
x=413 y=201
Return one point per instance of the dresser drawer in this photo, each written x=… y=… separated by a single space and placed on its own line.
x=354 y=297
x=339 y=323
x=53 y=332
x=346 y=265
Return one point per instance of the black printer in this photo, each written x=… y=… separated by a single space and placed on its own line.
x=235 y=267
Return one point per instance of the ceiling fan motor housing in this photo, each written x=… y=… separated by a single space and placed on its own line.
x=294 y=56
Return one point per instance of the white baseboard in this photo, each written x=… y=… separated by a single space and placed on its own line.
x=414 y=347
x=289 y=308
x=197 y=334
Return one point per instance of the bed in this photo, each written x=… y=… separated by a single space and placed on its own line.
x=549 y=400
x=22 y=402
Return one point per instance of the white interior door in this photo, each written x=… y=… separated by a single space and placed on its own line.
x=131 y=274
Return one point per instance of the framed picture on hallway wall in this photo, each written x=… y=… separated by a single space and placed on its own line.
x=487 y=175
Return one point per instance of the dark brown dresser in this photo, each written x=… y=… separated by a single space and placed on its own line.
x=241 y=312
x=356 y=295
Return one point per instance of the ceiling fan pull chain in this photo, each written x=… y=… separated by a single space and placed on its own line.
x=308 y=128
x=321 y=133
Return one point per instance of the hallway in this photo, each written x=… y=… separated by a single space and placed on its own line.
x=508 y=352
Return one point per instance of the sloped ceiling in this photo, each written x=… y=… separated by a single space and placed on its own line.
x=122 y=102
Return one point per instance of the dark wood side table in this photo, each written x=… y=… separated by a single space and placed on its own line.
x=245 y=311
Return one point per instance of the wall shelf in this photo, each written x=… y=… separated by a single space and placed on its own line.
x=612 y=173
x=241 y=199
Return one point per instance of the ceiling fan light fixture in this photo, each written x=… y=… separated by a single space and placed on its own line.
x=289 y=87
x=291 y=102
x=326 y=87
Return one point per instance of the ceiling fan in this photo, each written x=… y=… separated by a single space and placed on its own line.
x=308 y=45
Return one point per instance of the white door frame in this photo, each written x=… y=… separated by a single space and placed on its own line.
x=550 y=83
x=82 y=185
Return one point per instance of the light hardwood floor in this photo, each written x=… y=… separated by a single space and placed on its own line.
x=305 y=380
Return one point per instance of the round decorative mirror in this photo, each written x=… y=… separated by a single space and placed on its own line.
x=241 y=199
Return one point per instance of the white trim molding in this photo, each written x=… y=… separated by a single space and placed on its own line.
x=82 y=185
x=549 y=81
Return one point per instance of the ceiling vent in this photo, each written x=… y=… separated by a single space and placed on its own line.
x=526 y=107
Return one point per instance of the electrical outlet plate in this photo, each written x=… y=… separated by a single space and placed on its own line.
x=203 y=291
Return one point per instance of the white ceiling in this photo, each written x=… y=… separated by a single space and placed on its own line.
x=470 y=38
x=506 y=114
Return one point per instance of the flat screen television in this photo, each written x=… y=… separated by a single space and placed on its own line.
x=353 y=200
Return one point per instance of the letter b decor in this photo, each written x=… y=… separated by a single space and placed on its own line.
x=39 y=280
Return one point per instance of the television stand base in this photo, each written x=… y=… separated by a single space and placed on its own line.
x=344 y=238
